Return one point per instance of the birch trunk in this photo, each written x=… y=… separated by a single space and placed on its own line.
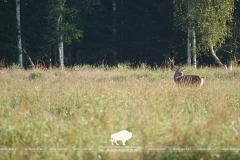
x=60 y=41
x=194 y=49
x=29 y=59
x=189 y=48
x=216 y=58
x=20 y=56
x=188 y=42
x=114 y=33
x=61 y=54
x=230 y=66
x=50 y=57
x=121 y=35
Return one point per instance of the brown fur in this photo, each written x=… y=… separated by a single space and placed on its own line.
x=187 y=79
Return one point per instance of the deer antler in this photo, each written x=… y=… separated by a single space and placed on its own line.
x=177 y=68
x=184 y=70
x=172 y=61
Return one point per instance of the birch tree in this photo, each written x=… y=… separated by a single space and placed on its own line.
x=213 y=26
x=188 y=42
x=20 y=55
x=69 y=25
x=193 y=37
x=60 y=36
x=114 y=32
x=194 y=48
x=210 y=19
x=189 y=48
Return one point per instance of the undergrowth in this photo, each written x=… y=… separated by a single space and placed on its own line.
x=81 y=107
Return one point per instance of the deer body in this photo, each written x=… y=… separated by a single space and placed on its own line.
x=180 y=79
x=189 y=80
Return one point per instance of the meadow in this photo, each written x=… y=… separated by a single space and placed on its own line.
x=71 y=113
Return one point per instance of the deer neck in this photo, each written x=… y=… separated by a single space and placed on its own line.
x=175 y=77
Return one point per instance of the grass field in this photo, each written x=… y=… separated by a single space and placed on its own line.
x=45 y=114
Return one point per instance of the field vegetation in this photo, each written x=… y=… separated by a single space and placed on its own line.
x=82 y=106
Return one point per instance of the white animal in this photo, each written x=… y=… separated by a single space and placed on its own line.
x=122 y=136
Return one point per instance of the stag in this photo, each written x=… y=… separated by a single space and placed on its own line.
x=180 y=79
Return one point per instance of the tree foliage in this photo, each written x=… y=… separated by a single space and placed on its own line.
x=210 y=18
x=147 y=30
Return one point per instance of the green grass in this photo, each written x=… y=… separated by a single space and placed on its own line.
x=35 y=75
x=82 y=106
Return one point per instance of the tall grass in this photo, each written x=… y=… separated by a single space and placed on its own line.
x=83 y=106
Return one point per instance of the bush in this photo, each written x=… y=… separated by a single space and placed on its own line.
x=36 y=75
x=14 y=67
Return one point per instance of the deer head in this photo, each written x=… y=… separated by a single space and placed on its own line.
x=178 y=72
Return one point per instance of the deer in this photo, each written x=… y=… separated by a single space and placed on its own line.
x=180 y=79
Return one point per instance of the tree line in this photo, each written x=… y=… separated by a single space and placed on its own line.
x=73 y=32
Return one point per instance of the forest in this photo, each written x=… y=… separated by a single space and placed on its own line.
x=77 y=32
x=94 y=79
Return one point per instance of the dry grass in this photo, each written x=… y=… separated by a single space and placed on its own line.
x=82 y=107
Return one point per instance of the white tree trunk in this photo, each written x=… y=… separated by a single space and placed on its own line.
x=114 y=33
x=61 y=53
x=60 y=41
x=230 y=66
x=216 y=58
x=194 y=49
x=189 y=48
x=20 y=57
x=121 y=34
x=29 y=59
